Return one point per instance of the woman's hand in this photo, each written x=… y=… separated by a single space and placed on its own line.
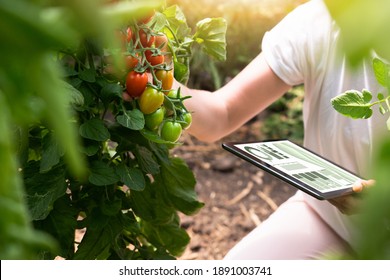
x=349 y=204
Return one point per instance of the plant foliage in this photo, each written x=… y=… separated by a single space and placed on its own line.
x=74 y=153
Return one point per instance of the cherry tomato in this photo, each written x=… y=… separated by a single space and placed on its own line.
x=131 y=62
x=150 y=100
x=171 y=131
x=172 y=94
x=153 y=120
x=161 y=42
x=187 y=120
x=146 y=40
x=136 y=83
x=165 y=77
x=154 y=59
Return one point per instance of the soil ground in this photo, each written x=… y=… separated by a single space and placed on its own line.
x=237 y=195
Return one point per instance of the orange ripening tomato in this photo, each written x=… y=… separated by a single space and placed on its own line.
x=165 y=77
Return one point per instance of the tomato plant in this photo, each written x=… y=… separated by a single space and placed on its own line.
x=91 y=156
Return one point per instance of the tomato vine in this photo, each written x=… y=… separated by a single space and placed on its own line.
x=88 y=156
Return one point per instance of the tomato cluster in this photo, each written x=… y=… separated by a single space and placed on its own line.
x=148 y=79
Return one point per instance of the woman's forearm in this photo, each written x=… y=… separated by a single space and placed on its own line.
x=216 y=114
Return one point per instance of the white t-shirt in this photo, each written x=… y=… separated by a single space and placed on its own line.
x=303 y=48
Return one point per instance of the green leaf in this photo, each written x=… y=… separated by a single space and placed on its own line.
x=151 y=205
x=88 y=75
x=51 y=153
x=88 y=94
x=142 y=203
x=111 y=207
x=180 y=182
x=110 y=91
x=177 y=21
x=102 y=230
x=102 y=174
x=133 y=119
x=94 y=129
x=171 y=237
x=43 y=189
x=211 y=34
x=353 y=104
x=76 y=97
x=159 y=22
x=146 y=160
x=90 y=149
x=61 y=223
x=381 y=71
x=133 y=178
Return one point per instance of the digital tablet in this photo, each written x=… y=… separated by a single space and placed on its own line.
x=297 y=166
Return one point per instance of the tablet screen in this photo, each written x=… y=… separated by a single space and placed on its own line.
x=301 y=165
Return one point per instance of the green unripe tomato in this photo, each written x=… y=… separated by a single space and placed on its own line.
x=187 y=120
x=153 y=120
x=172 y=93
x=171 y=131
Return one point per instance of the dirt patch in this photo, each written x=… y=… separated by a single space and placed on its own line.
x=237 y=195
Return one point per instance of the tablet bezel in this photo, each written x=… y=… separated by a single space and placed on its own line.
x=231 y=147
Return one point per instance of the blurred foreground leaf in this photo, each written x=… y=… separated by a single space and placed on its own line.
x=364 y=26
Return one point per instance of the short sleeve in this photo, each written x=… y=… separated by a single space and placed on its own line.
x=294 y=46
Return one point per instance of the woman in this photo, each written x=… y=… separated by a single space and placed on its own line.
x=302 y=49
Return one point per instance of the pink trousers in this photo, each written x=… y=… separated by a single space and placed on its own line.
x=293 y=231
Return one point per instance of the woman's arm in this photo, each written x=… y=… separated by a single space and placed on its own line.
x=216 y=114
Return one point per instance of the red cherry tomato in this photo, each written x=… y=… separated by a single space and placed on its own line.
x=136 y=83
x=146 y=40
x=154 y=59
x=131 y=62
